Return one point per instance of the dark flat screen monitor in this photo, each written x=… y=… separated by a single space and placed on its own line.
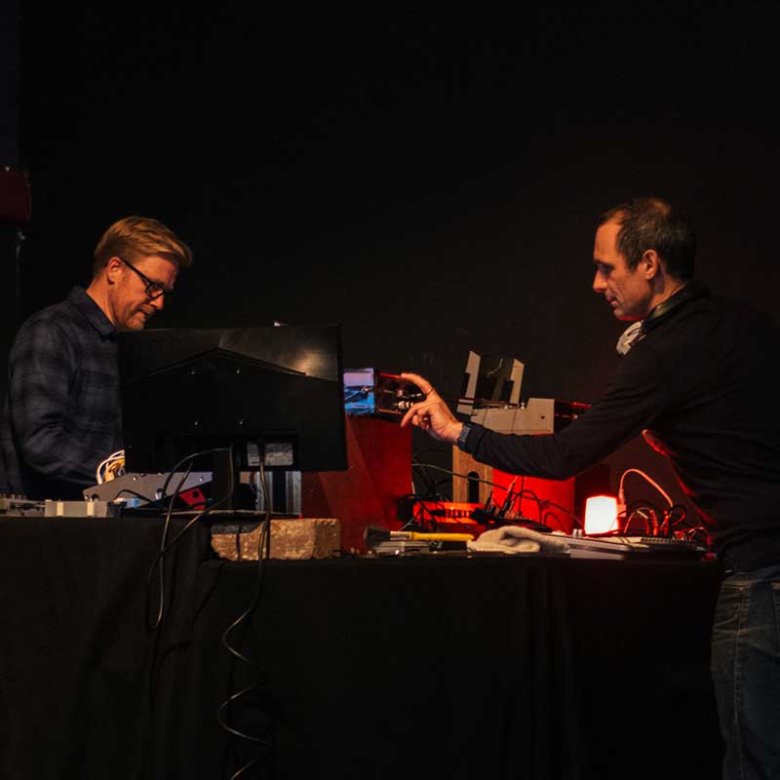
x=274 y=394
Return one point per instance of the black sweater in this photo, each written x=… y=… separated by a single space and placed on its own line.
x=701 y=380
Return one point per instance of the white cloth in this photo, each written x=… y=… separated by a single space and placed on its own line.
x=517 y=539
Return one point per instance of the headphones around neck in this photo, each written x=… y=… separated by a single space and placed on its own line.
x=637 y=330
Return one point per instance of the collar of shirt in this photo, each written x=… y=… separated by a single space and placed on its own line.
x=91 y=312
x=691 y=291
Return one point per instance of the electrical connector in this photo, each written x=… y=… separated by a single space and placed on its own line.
x=621 y=509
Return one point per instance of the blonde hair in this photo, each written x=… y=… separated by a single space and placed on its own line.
x=133 y=237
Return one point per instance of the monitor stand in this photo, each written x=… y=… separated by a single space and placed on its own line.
x=226 y=481
x=282 y=486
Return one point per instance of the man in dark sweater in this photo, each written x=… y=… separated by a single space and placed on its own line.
x=698 y=381
x=61 y=416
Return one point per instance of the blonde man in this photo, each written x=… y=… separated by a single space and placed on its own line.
x=61 y=415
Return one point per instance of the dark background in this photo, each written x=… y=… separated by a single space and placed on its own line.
x=429 y=179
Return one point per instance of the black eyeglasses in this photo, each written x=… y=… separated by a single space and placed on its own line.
x=153 y=289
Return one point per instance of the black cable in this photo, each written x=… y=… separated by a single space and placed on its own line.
x=651 y=523
x=158 y=562
x=224 y=711
x=430 y=482
x=551 y=516
x=573 y=515
x=541 y=502
x=421 y=522
x=692 y=531
x=676 y=517
x=165 y=546
x=457 y=474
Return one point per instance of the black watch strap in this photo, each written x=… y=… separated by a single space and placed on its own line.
x=462 y=436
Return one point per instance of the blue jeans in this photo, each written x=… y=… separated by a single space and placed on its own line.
x=746 y=673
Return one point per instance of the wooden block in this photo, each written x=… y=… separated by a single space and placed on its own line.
x=291 y=539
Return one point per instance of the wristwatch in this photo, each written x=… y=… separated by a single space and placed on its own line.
x=462 y=436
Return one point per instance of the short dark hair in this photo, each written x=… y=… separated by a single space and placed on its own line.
x=652 y=223
x=132 y=237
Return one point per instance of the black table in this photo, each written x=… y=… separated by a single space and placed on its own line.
x=495 y=667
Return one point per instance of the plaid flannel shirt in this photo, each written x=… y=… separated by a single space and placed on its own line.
x=61 y=416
